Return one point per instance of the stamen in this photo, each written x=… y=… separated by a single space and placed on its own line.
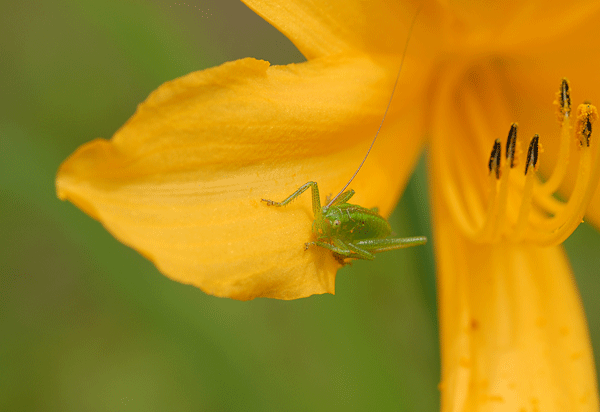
x=497 y=207
x=532 y=153
x=494 y=163
x=586 y=115
x=556 y=229
x=527 y=196
x=563 y=111
x=563 y=101
x=511 y=145
x=526 y=202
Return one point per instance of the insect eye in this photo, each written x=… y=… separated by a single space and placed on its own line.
x=336 y=223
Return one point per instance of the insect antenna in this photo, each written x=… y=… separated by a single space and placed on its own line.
x=412 y=25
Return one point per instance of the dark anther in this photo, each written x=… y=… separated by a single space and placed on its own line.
x=565 y=97
x=532 y=153
x=511 y=145
x=587 y=131
x=586 y=115
x=494 y=163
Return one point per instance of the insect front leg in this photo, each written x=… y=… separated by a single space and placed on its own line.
x=316 y=199
x=383 y=245
x=343 y=198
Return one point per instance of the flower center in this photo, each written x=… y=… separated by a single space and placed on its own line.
x=522 y=207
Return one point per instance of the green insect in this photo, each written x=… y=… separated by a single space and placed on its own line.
x=352 y=231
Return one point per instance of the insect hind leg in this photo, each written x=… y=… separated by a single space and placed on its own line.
x=383 y=245
x=343 y=249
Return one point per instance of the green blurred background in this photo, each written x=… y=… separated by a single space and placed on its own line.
x=87 y=324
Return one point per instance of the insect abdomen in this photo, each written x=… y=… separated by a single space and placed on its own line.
x=361 y=223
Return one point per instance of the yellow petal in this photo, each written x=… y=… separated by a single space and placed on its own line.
x=513 y=332
x=319 y=28
x=182 y=180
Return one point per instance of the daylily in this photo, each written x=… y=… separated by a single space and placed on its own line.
x=181 y=181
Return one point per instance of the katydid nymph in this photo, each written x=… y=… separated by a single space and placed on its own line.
x=352 y=231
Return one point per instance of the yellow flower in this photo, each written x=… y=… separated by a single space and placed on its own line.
x=181 y=181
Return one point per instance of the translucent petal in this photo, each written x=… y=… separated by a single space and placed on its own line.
x=320 y=28
x=499 y=27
